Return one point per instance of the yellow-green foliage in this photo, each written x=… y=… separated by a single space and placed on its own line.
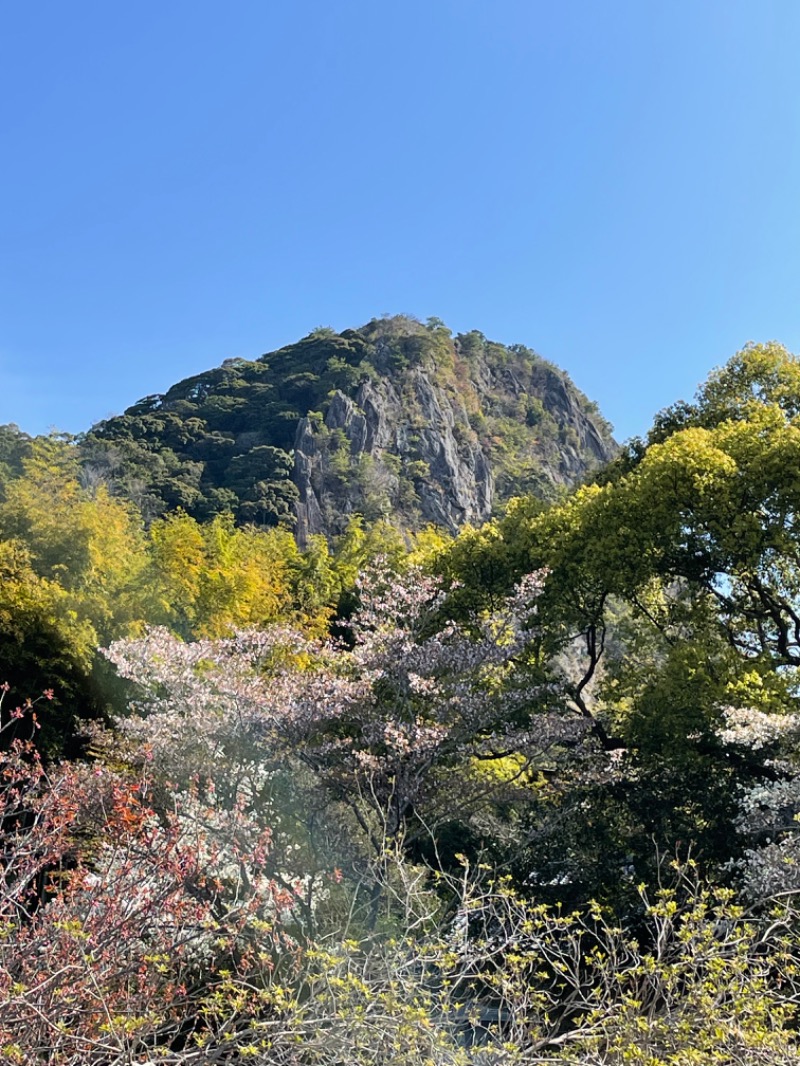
x=89 y=544
x=212 y=578
x=532 y=985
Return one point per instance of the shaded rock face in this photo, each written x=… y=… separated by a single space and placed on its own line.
x=310 y=518
x=589 y=447
x=422 y=463
x=404 y=447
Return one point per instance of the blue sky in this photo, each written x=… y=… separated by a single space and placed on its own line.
x=615 y=184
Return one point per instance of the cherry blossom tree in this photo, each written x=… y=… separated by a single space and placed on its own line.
x=769 y=806
x=394 y=722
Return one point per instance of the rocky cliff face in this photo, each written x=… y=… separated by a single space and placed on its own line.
x=396 y=420
x=406 y=444
x=445 y=470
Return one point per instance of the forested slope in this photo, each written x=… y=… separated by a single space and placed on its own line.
x=395 y=419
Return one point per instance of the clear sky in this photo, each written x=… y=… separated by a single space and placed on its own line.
x=615 y=183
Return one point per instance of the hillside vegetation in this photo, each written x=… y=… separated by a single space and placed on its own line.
x=524 y=793
x=396 y=419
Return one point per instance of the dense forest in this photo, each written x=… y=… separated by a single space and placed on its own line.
x=293 y=773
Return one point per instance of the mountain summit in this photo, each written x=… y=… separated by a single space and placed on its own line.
x=397 y=419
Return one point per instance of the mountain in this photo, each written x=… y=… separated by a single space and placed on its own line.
x=397 y=419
